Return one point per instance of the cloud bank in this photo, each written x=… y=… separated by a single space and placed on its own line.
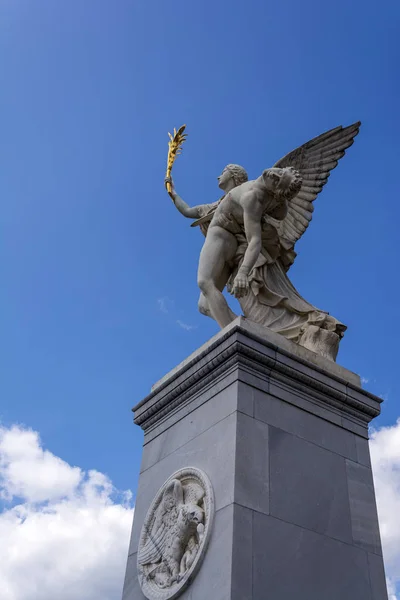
x=64 y=532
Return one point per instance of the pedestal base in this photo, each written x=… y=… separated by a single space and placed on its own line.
x=282 y=435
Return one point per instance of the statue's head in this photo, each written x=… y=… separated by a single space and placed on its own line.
x=192 y=514
x=284 y=183
x=232 y=176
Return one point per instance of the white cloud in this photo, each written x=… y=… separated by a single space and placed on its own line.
x=391 y=590
x=385 y=455
x=165 y=304
x=28 y=471
x=364 y=380
x=64 y=532
x=185 y=325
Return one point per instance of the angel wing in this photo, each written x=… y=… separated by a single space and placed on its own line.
x=314 y=160
x=159 y=536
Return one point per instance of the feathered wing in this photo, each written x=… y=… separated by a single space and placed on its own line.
x=158 y=537
x=314 y=160
x=152 y=551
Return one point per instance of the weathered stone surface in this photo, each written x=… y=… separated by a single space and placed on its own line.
x=308 y=486
x=293 y=562
x=242 y=554
x=192 y=420
x=214 y=579
x=377 y=577
x=132 y=587
x=363 y=453
x=252 y=464
x=304 y=424
x=283 y=441
x=364 y=516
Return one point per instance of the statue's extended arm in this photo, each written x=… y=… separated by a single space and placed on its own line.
x=184 y=209
x=252 y=214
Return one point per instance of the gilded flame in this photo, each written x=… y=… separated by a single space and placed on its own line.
x=174 y=149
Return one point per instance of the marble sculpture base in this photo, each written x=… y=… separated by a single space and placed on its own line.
x=283 y=436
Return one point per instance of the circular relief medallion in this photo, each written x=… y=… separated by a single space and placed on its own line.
x=175 y=534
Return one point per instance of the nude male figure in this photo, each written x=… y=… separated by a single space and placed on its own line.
x=242 y=208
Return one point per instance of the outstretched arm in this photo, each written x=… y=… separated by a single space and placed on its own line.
x=184 y=209
x=252 y=214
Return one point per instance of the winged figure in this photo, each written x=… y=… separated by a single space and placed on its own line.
x=174 y=534
x=251 y=233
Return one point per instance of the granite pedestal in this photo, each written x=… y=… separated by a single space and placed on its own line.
x=283 y=436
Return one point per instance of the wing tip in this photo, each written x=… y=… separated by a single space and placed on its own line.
x=355 y=126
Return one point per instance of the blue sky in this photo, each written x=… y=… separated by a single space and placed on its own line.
x=90 y=240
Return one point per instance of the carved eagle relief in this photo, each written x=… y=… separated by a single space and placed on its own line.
x=178 y=520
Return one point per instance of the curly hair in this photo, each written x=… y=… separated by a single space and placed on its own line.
x=290 y=182
x=239 y=174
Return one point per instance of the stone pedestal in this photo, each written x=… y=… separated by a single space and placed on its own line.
x=283 y=436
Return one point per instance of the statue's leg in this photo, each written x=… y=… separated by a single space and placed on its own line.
x=219 y=248
x=203 y=304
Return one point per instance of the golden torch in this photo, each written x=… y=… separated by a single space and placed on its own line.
x=174 y=148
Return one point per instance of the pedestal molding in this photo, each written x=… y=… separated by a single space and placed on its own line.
x=193 y=377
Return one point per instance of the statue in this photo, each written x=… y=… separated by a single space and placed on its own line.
x=251 y=233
